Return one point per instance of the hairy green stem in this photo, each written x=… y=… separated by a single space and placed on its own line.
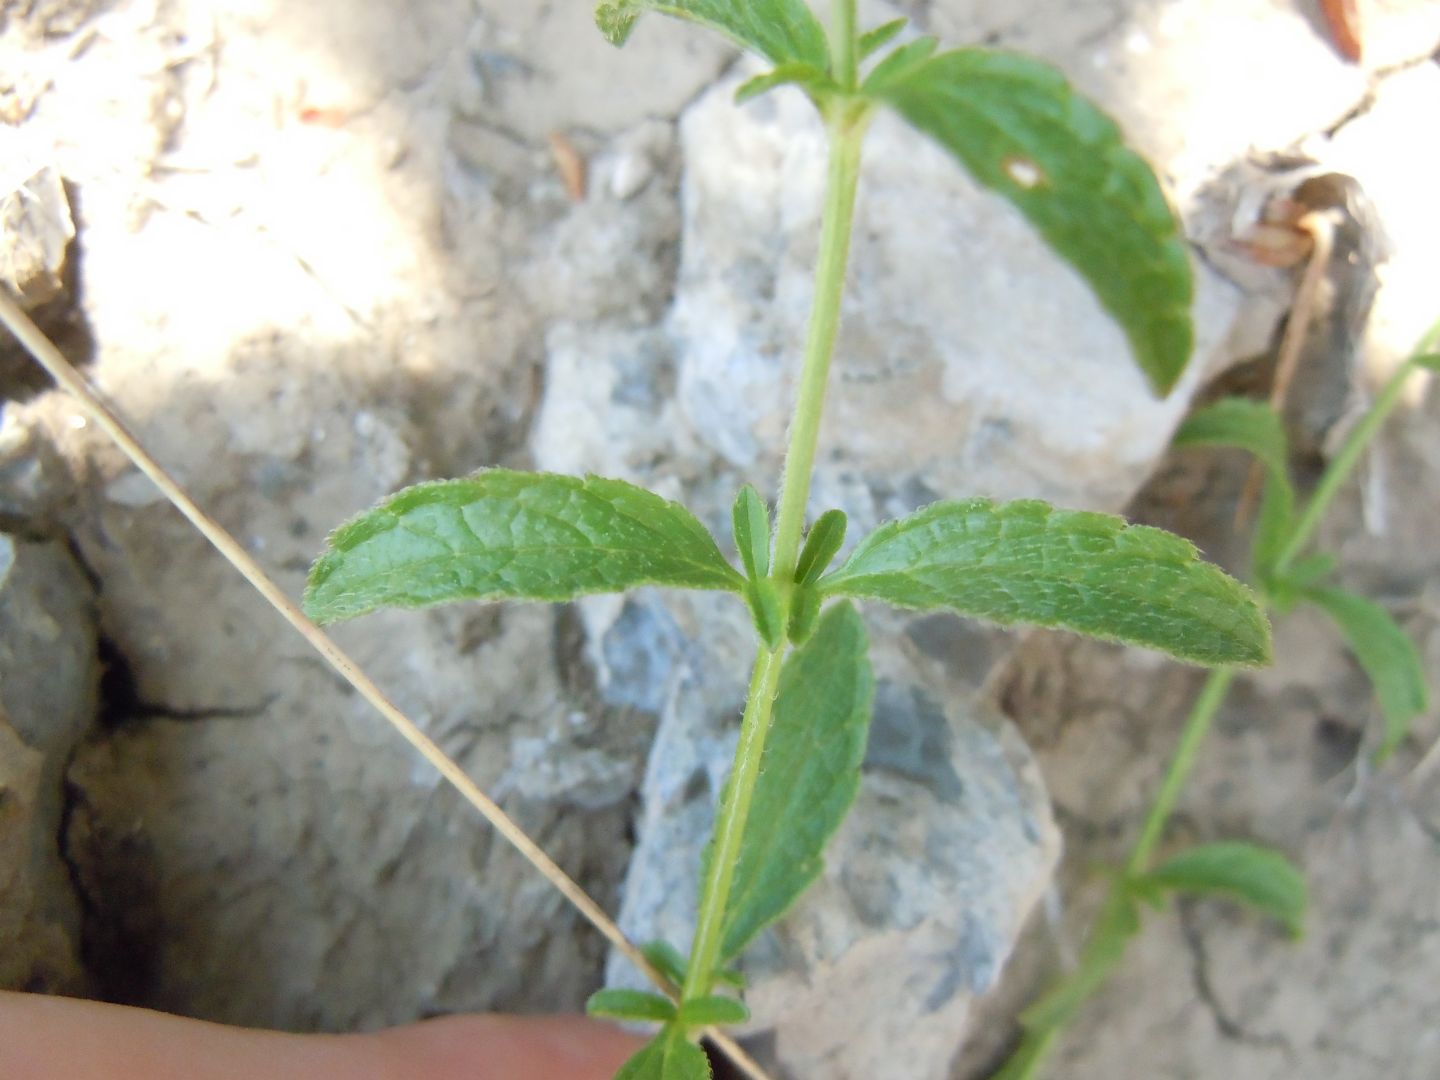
x=1197 y=726
x=1353 y=448
x=1026 y=1060
x=1109 y=935
x=844 y=45
x=730 y=824
x=847 y=129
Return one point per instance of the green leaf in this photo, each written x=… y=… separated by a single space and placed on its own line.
x=823 y=541
x=671 y=963
x=713 y=1010
x=1388 y=656
x=630 y=1005
x=750 y=519
x=873 y=40
x=780 y=30
x=1242 y=424
x=809 y=775
x=1020 y=129
x=1117 y=923
x=1309 y=571
x=1252 y=426
x=1432 y=362
x=731 y=977
x=668 y=1056
x=766 y=611
x=1260 y=877
x=504 y=535
x=902 y=61
x=804 y=613
x=666 y=959
x=806 y=76
x=1026 y=562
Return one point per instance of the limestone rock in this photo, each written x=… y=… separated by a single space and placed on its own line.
x=955 y=314
x=48 y=677
x=259 y=847
x=926 y=885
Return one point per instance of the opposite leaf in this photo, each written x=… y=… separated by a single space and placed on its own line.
x=1026 y=562
x=1258 y=876
x=668 y=1056
x=1252 y=426
x=713 y=1010
x=671 y=963
x=1243 y=424
x=780 y=30
x=1017 y=126
x=821 y=545
x=809 y=774
x=666 y=959
x=504 y=535
x=806 y=76
x=750 y=524
x=1386 y=653
x=630 y=1005
x=878 y=38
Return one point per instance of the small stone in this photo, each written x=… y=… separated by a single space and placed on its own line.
x=37 y=229
x=629 y=173
x=133 y=489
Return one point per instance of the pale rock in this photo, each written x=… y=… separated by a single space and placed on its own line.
x=1379 y=148
x=926 y=885
x=49 y=672
x=955 y=313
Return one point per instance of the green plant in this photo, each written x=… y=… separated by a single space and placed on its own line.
x=505 y=535
x=1286 y=573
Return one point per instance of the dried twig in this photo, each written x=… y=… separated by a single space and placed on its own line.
x=1319 y=226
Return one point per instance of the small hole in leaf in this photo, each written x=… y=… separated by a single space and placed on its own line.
x=1023 y=171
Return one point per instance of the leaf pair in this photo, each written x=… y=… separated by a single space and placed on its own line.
x=503 y=535
x=639 y=1005
x=1020 y=130
x=1257 y=876
x=1384 y=651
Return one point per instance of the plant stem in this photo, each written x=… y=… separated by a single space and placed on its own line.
x=844 y=47
x=1026 y=1060
x=1197 y=726
x=1344 y=462
x=847 y=131
x=846 y=124
x=730 y=824
x=1048 y=1016
x=1038 y=1040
